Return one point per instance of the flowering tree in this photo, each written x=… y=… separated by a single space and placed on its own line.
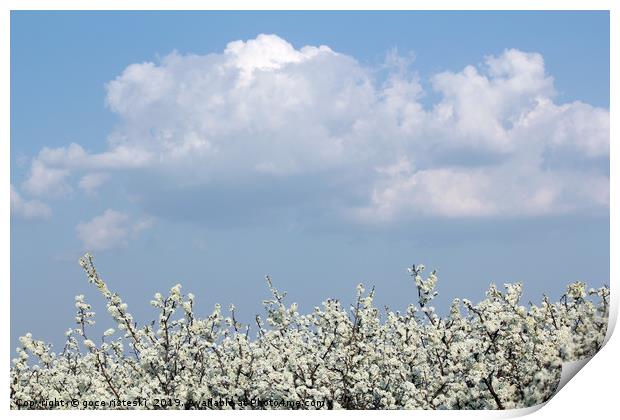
x=497 y=354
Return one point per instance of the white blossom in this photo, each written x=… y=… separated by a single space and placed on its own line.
x=496 y=354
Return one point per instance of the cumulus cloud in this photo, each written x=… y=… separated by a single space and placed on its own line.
x=261 y=106
x=91 y=181
x=50 y=169
x=46 y=181
x=505 y=190
x=478 y=107
x=28 y=209
x=112 y=229
x=495 y=143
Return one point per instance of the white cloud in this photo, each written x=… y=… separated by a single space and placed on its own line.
x=260 y=106
x=576 y=127
x=46 y=181
x=91 y=181
x=267 y=52
x=51 y=168
x=112 y=229
x=28 y=209
x=504 y=191
x=74 y=156
x=141 y=225
x=265 y=109
x=479 y=108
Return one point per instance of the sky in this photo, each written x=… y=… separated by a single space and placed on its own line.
x=322 y=148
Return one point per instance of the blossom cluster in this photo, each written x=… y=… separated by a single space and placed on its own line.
x=496 y=354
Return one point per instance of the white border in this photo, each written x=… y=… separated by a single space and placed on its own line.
x=593 y=394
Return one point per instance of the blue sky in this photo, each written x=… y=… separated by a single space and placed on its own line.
x=474 y=142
